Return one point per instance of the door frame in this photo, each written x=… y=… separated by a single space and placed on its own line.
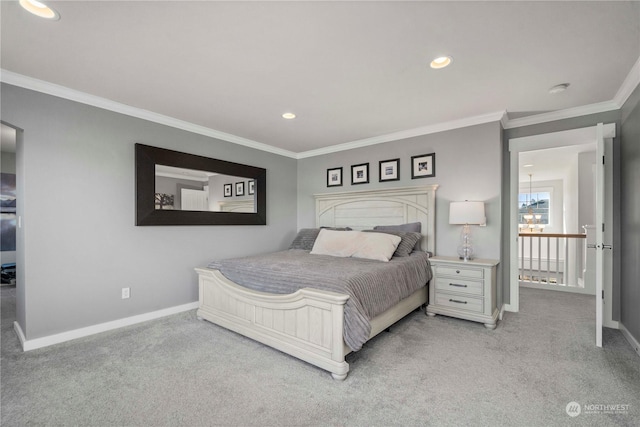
x=530 y=143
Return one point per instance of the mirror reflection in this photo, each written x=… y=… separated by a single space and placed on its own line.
x=194 y=190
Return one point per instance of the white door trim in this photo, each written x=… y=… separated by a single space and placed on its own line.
x=529 y=143
x=600 y=203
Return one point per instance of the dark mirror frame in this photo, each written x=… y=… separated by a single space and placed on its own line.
x=147 y=157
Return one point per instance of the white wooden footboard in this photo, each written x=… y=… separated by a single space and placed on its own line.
x=307 y=324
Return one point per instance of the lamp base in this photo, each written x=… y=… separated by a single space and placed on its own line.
x=465 y=249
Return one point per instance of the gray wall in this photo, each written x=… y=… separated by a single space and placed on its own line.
x=467 y=168
x=216 y=188
x=557 y=126
x=630 y=215
x=80 y=242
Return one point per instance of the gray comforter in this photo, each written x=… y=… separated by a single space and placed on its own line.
x=373 y=286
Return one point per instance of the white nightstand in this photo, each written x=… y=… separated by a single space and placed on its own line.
x=466 y=290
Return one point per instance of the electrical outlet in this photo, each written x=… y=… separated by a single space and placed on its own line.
x=126 y=293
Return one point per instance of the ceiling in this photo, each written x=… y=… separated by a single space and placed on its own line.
x=551 y=163
x=350 y=71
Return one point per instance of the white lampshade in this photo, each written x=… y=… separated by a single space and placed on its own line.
x=467 y=213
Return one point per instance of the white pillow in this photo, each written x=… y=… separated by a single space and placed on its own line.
x=378 y=246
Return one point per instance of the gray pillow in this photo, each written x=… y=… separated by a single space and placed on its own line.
x=307 y=237
x=408 y=241
x=415 y=227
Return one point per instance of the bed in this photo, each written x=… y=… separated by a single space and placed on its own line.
x=310 y=323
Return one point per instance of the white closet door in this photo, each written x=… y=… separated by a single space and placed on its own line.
x=194 y=200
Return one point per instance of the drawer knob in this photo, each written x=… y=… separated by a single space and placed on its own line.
x=459 y=302
x=458 y=271
x=458 y=285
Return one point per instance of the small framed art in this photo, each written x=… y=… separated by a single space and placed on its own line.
x=251 y=187
x=390 y=170
x=423 y=166
x=360 y=174
x=240 y=188
x=334 y=177
x=228 y=190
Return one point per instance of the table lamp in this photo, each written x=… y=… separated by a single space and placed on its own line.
x=466 y=213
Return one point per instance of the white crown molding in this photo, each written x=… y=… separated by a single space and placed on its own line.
x=96 y=329
x=626 y=89
x=424 y=130
x=568 y=113
x=504 y=120
x=185 y=177
x=42 y=86
x=629 y=85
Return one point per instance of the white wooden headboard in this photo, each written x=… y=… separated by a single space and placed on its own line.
x=237 y=206
x=365 y=209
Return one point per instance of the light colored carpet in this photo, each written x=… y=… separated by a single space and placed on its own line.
x=440 y=371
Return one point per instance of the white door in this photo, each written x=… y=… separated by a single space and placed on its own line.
x=194 y=200
x=599 y=243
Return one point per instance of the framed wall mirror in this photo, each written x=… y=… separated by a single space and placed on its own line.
x=175 y=188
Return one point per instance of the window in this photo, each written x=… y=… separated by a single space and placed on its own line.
x=538 y=201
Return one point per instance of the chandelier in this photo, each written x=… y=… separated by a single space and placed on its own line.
x=532 y=222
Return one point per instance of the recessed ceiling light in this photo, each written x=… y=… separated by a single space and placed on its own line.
x=527 y=166
x=40 y=9
x=288 y=116
x=441 y=62
x=559 y=88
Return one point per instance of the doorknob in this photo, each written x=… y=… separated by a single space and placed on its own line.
x=610 y=247
x=591 y=246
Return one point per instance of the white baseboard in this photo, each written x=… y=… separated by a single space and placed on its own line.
x=557 y=288
x=19 y=333
x=509 y=307
x=613 y=324
x=36 y=343
x=632 y=340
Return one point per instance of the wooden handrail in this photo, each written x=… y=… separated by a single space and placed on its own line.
x=574 y=236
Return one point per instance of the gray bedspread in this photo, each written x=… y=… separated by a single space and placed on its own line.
x=373 y=286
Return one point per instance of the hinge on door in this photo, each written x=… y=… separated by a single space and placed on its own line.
x=603 y=294
x=603 y=227
x=603 y=160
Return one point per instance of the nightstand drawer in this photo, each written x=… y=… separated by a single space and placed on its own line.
x=471 y=273
x=458 y=285
x=459 y=302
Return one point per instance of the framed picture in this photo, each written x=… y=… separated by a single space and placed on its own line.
x=252 y=187
x=228 y=190
x=334 y=177
x=390 y=170
x=240 y=188
x=360 y=174
x=423 y=166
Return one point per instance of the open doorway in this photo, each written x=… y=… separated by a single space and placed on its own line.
x=9 y=197
x=556 y=215
x=603 y=135
x=8 y=207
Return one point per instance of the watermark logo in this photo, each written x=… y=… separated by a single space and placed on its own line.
x=573 y=409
